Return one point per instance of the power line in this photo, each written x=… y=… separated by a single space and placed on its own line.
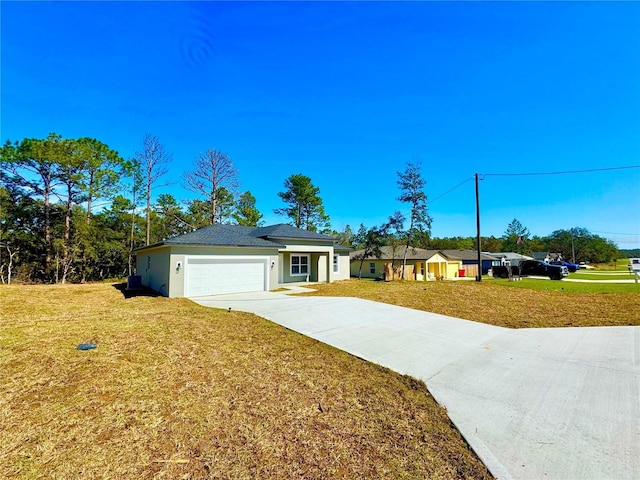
x=450 y=190
x=565 y=172
x=558 y=173
x=617 y=233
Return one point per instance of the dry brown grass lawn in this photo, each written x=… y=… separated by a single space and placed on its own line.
x=175 y=390
x=497 y=304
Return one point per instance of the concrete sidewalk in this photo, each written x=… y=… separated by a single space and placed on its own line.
x=559 y=403
x=580 y=280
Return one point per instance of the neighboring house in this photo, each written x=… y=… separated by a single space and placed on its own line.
x=421 y=264
x=470 y=258
x=547 y=256
x=232 y=258
x=513 y=258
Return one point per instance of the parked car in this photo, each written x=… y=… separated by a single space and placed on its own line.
x=586 y=266
x=538 y=267
x=532 y=267
x=572 y=267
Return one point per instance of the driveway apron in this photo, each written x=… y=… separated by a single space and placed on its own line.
x=561 y=403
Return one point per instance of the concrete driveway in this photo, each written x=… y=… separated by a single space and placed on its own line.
x=561 y=403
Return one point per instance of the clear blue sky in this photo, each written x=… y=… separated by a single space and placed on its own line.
x=347 y=93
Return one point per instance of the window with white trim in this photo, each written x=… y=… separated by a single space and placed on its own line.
x=372 y=267
x=336 y=263
x=299 y=264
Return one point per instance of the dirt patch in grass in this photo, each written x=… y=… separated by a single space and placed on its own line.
x=176 y=390
x=497 y=304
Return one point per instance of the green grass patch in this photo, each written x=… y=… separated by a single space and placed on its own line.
x=569 y=287
x=176 y=390
x=529 y=303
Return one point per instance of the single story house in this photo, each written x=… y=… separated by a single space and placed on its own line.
x=470 y=258
x=421 y=264
x=232 y=258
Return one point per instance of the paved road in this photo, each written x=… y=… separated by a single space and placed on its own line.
x=560 y=403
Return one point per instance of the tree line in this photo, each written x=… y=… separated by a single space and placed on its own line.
x=76 y=210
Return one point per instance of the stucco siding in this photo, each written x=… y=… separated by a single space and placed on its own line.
x=321 y=266
x=343 y=272
x=176 y=275
x=288 y=276
x=153 y=268
x=366 y=271
x=319 y=262
x=453 y=269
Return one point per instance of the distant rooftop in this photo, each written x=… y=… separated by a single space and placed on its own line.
x=389 y=252
x=469 y=255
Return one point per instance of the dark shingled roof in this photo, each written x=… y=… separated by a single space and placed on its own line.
x=283 y=230
x=240 y=236
x=221 y=235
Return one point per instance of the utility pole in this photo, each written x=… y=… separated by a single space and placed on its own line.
x=573 y=247
x=479 y=276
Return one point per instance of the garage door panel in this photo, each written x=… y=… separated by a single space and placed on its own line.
x=219 y=276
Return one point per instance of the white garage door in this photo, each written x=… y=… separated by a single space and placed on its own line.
x=206 y=276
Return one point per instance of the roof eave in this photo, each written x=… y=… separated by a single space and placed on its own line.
x=153 y=245
x=196 y=244
x=310 y=239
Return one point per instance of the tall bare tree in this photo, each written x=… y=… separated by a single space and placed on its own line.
x=152 y=162
x=213 y=175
